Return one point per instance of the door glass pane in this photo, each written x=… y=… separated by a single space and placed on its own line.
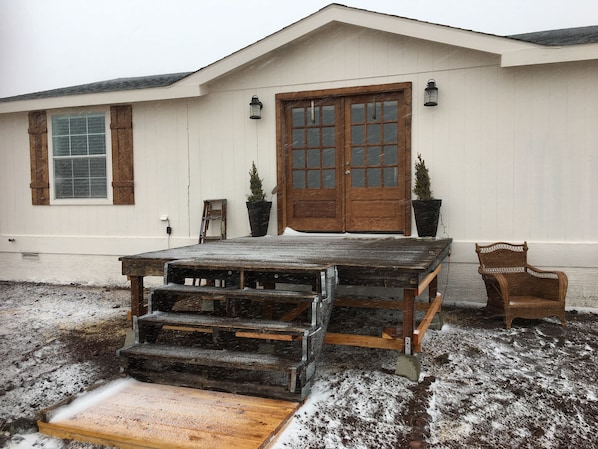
x=298 y=138
x=358 y=135
x=313 y=179
x=374 y=146
x=390 y=177
x=298 y=158
x=358 y=177
x=374 y=112
x=328 y=137
x=374 y=179
x=357 y=156
x=298 y=115
x=391 y=155
x=313 y=159
x=298 y=179
x=357 y=113
x=327 y=115
x=314 y=147
x=313 y=137
x=328 y=157
x=390 y=132
x=374 y=156
x=329 y=179
x=373 y=134
x=314 y=117
x=390 y=111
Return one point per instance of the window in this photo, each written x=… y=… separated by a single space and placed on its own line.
x=85 y=157
x=79 y=156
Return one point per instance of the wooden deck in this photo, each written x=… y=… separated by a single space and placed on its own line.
x=411 y=264
x=150 y=416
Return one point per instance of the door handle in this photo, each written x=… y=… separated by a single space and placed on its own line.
x=347 y=172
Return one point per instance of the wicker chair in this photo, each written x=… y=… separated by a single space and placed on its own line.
x=515 y=288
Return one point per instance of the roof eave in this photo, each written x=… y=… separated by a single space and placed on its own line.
x=537 y=54
x=173 y=92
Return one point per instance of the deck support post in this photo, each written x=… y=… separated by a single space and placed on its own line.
x=409 y=295
x=137 y=300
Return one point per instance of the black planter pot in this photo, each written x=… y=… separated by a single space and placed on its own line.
x=427 y=213
x=259 y=217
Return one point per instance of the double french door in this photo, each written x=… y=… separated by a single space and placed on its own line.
x=344 y=160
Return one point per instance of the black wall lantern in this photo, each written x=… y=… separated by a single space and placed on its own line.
x=431 y=94
x=255 y=108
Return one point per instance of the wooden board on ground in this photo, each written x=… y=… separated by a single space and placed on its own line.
x=134 y=415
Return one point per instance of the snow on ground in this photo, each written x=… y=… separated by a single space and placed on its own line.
x=481 y=386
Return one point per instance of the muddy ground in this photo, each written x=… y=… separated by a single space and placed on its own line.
x=481 y=386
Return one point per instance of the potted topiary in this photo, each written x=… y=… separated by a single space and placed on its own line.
x=257 y=206
x=425 y=207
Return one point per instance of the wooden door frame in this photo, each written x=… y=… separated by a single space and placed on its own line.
x=281 y=98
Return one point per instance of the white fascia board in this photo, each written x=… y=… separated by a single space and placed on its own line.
x=102 y=98
x=430 y=31
x=549 y=55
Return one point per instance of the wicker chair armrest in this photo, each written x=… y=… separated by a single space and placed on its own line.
x=551 y=284
x=499 y=280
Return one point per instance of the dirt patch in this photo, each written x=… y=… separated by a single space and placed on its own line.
x=481 y=386
x=55 y=342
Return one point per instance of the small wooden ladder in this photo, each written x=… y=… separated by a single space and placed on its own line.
x=213 y=210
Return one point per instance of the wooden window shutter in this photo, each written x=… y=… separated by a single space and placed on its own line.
x=38 y=152
x=121 y=125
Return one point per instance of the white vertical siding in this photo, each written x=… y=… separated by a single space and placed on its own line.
x=512 y=152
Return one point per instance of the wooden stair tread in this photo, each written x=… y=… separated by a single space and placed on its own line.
x=221 y=358
x=195 y=320
x=208 y=292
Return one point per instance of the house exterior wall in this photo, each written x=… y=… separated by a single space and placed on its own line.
x=511 y=152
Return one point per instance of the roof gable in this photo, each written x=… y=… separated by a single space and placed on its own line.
x=362 y=18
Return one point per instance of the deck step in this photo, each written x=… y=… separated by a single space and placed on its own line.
x=249 y=340
x=193 y=320
x=208 y=357
x=223 y=293
x=203 y=382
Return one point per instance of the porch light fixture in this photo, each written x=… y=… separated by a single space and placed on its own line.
x=431 y=94
x=255 y=108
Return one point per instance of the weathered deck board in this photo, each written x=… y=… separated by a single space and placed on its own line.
x=161 y=417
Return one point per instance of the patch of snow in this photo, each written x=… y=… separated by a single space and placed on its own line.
x=89 y=399
x=34 y=440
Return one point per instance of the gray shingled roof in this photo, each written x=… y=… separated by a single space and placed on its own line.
x=119 y=84
x=566 y=36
